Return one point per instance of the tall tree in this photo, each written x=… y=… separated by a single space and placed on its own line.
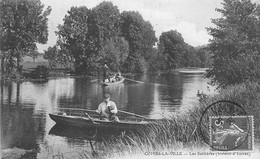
x=106 y=20
x=236 y=39
x=171 y=46
x=74 y=37
x=141 y=38
x=23 y=24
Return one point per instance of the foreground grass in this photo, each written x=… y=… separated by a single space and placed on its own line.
x=179 y=132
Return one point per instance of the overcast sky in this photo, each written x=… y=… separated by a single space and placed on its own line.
x=189 y=17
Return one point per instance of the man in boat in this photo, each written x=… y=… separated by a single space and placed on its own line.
x=108 y=109
x=106 y=73
x=118 y=76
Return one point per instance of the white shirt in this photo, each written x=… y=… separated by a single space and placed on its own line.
x=103 y=108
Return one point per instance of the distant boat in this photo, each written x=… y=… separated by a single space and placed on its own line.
x=113 y=83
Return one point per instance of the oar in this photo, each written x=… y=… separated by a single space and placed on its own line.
x=133 y=80
x=94 y=80
x=91 y=119
x=140 y=116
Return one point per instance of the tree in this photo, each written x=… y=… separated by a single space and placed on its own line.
x=75 y=40
x=236 y=38
x=112 y=47
x=189 y=56
x=106 y=19
x=51 y=55
x=93 y=37
x=204 y=55
x=34 y=54
x=171 y=47
x=23 y=24
x=141 y=38
x=115 y=53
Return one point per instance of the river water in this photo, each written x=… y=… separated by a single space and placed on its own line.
x=25 y=122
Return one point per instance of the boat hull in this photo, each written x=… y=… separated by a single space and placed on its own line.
x=79 y=121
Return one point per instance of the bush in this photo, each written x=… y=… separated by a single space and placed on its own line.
x=40 y=71
x=234 y=71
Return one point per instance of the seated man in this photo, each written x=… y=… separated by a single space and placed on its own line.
x=108 y=109
x=117 y=77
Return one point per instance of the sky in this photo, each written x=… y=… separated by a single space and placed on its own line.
x=188 y=17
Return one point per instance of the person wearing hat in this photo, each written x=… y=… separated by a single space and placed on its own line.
x=108 y=109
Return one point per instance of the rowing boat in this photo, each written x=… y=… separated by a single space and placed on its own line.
x=113 y=83
x=95 y=121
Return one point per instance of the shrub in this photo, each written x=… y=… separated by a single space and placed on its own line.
x=40 y=71
x=234 y=71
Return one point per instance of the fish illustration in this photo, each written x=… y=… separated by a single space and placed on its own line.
x=222 y=134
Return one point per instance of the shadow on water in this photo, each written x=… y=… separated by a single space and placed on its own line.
x=74 y=135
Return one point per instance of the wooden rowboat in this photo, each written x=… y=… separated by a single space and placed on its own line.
x=113 y=83
x=94 y=121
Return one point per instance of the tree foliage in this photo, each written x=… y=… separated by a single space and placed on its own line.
x=102 y=35
x=141 y=38
x=204 y=55
x=23 y=24
x=93 y=37
x=236 y=39
x=175 y=52
x=74 y=37
x=115 y=53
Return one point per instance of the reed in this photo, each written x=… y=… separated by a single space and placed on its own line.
x=181 y=131
x=177 y=133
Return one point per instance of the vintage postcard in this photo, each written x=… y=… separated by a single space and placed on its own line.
x=109 y=79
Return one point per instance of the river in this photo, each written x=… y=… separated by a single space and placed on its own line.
x=25 y=123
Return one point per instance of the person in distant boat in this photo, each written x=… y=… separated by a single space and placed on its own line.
x=118 y=76
x=108 y=109
x=106 y=74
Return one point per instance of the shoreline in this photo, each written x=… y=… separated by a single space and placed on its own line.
x=66 y=75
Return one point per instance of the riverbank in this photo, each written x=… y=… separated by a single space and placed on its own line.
x=61 y=73
x=182 y=133
x=178 y=70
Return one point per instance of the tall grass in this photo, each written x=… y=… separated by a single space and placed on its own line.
x=177 y=133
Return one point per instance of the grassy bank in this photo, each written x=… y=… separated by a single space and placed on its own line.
x=181 y=132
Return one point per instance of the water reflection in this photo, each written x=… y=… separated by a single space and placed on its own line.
x=25 y=106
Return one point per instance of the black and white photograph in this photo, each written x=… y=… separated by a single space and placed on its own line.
x=130 y=79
